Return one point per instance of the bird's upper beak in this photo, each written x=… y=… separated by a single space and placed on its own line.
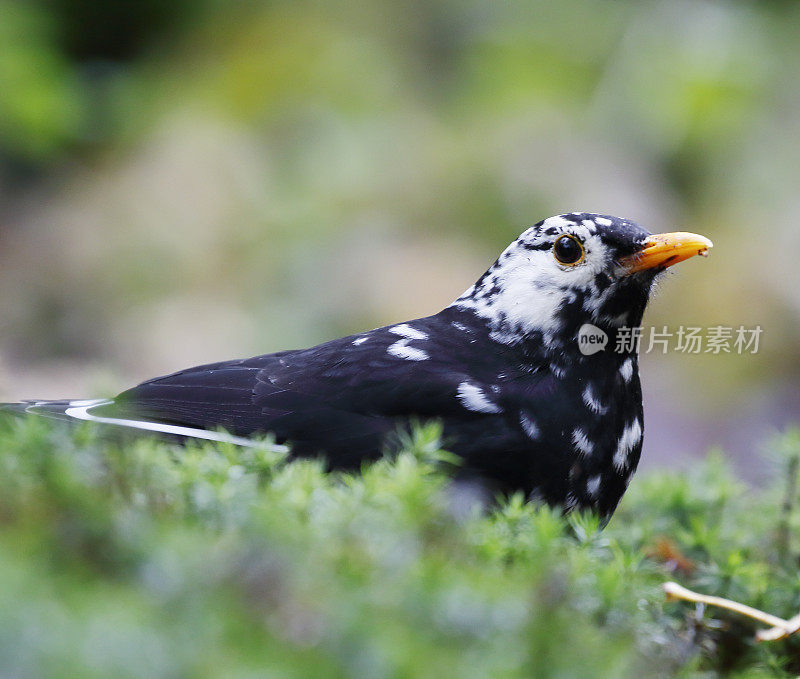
x=666 y=249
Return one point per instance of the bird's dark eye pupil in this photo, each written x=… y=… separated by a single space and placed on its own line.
x=568 y=250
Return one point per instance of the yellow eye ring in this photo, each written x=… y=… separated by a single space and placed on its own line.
x=568 y=251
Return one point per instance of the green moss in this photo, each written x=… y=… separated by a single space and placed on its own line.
x=148 y=559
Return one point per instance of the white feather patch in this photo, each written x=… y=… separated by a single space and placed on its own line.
x=626 y=369
x=402 y=350
x=530 y=427
x=571 y=501
x=525 y=289
x=405 y=330
x=80 y=411
x=631 y=437
x=592 y=402
x=473 y=398
x=581 y=441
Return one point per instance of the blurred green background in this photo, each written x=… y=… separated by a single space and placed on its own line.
x=197 y=180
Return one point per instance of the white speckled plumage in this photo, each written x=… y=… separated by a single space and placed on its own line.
x=583 y=444
x=473 y=398
x=631 y=437
x=592 y=402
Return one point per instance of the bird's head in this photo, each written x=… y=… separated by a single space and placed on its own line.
x=573 y=269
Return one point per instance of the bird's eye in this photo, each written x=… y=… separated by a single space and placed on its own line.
x=568 y=250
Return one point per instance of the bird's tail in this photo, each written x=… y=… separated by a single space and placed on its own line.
x=106 y=412
x=13 y=408
x=52 y=409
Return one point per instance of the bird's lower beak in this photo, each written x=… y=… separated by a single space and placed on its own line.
x=666 y=249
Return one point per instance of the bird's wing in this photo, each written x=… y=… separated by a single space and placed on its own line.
x=344 y=395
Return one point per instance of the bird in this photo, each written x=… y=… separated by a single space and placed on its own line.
x=522 y=371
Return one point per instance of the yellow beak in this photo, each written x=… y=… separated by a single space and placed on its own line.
x=666 y=249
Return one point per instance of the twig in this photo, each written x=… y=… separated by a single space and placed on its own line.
x=778 y=633
x=783 y=541
x=779 y=628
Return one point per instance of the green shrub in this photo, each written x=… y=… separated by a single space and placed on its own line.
x=146 y=559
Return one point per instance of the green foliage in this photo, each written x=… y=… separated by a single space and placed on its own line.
x=139 y=558
x=40 y=109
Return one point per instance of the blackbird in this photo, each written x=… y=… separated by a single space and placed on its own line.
x=527 y=372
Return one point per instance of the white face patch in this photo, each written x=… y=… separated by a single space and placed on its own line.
x=527 y=286
x=473 y=398
x=591 y=401
x=530 y=427
x=631 y=437
x=582 y=443
x=626 y=369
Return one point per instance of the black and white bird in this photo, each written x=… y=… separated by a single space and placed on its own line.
x=523 y=404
